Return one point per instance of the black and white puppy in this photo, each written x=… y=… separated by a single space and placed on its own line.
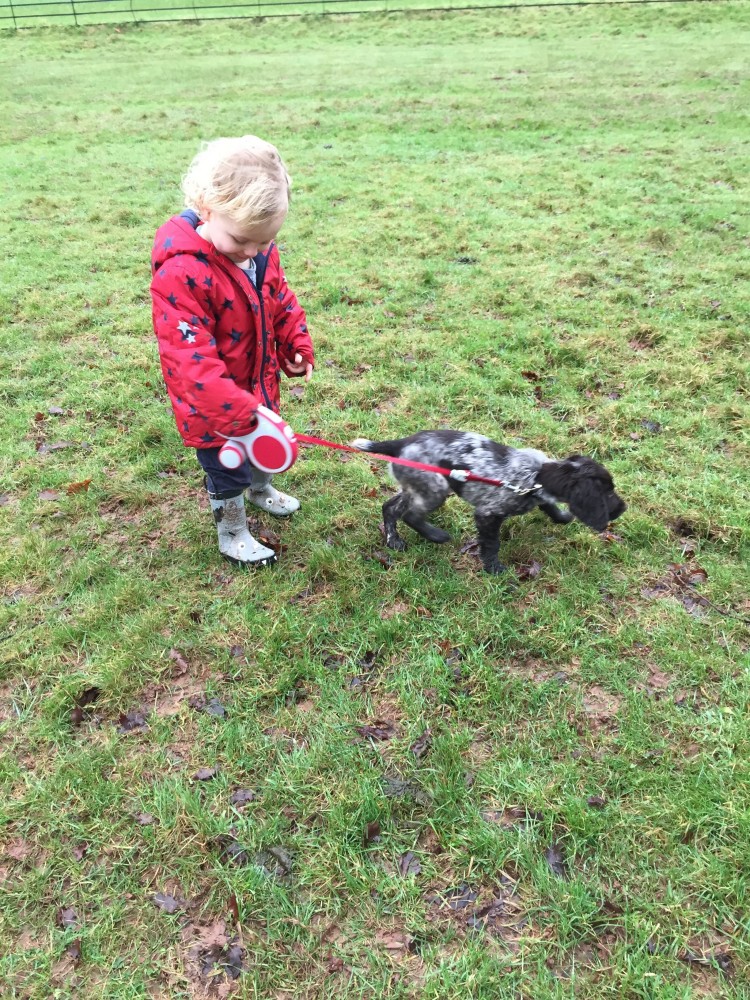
x=530 y=479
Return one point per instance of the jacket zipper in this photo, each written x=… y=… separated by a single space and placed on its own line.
x=263 y=331
x=264 y=334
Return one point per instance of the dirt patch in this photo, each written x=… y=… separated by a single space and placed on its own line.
x=496 y=911
x=600 y=706
x=391 y=610
x=541 y=671
x=213 y=959
x=164 y=701
x=312 y=595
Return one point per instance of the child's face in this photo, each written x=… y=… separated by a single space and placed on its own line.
x=239 y=242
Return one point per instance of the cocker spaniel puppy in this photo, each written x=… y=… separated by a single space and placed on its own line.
x=530 y=479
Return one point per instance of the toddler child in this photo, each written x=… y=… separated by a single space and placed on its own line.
x=227 y=323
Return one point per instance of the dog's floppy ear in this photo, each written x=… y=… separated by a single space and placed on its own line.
x=559 y=478
x=588 y=502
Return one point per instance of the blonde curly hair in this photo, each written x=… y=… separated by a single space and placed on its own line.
x=243 y=178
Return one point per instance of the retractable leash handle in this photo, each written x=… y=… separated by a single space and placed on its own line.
x=271 y=445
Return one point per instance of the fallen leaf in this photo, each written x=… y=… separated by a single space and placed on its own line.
x=211 y=707
x=609 y=536
x=397 y=608
x=169 y=904
x=178 y=659
x=242 y=795
x=74 y=950
x=420 y=746
x=67 y=917
x=78 y=487
x=513 y=816
x=230 y=850
x=275 y=861
x=371 y=834
x=18 y=849
x=457 y=898
x=134 y=720
x=408 y=864
x=556 y=860
x=722 y=960
x=529 y=571
x=471 y=548
x=393 y=940
x=232 y=964
x=205 y=773
x=381 y=729
x=397 y=788
x=44 y=448
x=88 y=696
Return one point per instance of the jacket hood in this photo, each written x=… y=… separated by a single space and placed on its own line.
x=178 y=236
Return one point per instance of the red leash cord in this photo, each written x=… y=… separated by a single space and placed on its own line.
x=462 y=475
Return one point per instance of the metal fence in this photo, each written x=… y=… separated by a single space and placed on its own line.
x=25 y=13
x=30 y=13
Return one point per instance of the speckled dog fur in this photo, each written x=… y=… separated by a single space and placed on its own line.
x=581 y=483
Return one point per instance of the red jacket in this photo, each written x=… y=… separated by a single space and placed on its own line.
x=222 y=345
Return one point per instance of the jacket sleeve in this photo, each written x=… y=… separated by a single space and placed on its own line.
x=290 y=325
x=206 y=399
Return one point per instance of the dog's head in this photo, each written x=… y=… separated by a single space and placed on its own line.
x=586 y=487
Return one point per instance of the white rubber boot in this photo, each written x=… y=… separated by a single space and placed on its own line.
x=263 y=495
x=235 y=542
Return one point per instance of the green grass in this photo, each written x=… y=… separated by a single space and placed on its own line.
x=591 y=165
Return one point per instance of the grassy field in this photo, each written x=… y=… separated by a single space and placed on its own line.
x=372 y=774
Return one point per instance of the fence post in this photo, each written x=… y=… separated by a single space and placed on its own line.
x=75 y=12
x=13 y=15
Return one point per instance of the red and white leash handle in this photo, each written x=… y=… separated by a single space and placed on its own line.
x=271 y=445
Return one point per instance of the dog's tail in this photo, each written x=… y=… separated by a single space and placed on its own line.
x=392 y=448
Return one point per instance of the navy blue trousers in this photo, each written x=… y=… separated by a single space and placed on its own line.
x=223 y=484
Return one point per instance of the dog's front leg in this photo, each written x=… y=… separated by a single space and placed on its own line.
x=554 y=513
x=394 y=509
x=488 y=529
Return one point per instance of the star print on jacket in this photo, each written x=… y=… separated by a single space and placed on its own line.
x=222 y=344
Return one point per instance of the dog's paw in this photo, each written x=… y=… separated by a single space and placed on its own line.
x=437 y=535
x=397 y=543
x=495 y=567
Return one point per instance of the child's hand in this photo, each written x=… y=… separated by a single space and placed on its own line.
x=299 y=367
